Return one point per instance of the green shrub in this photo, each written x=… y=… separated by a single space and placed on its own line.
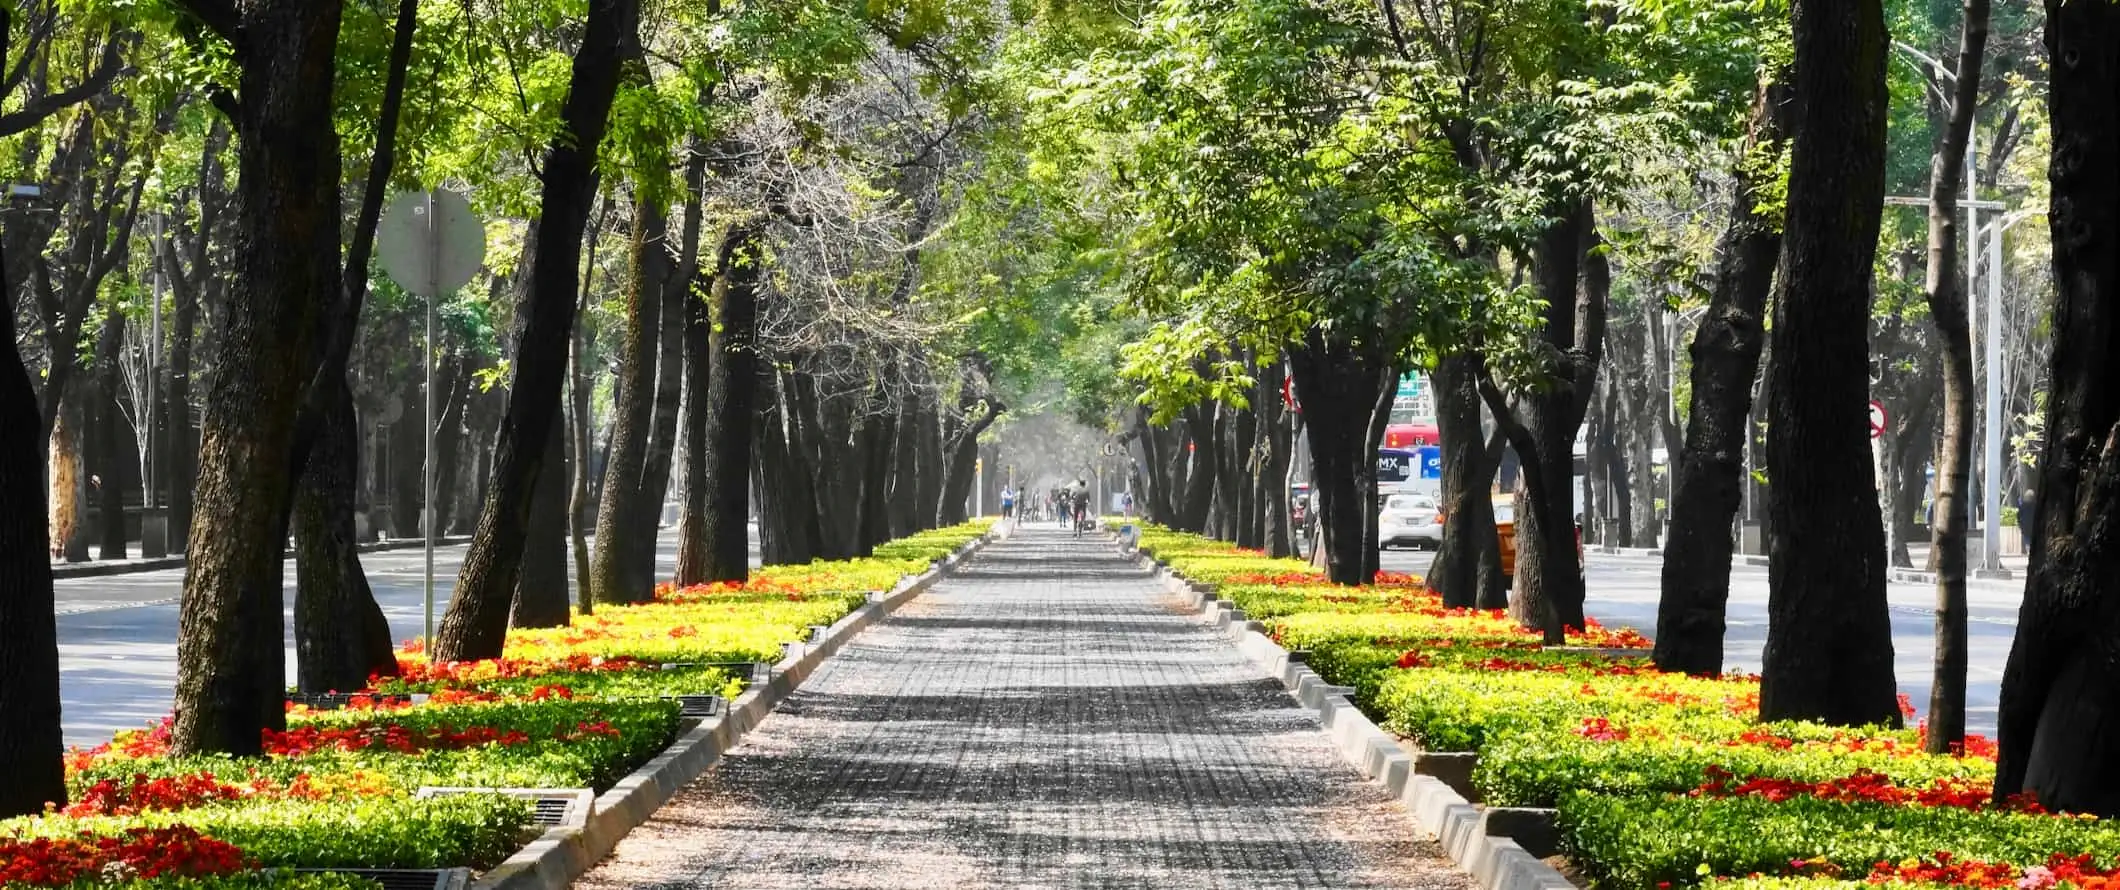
x=1644 y=841
x=1537 y=769
x=475 y=830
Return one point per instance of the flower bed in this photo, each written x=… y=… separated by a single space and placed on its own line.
x=574 y=707
x=1659 y=780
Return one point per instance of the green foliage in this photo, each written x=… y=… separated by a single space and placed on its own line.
x=1653 y=840
x=474 y=830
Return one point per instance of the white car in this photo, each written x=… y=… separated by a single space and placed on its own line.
x=1409 y=520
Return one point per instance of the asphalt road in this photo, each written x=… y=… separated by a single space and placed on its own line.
x=1623 y=591
x=117 y=634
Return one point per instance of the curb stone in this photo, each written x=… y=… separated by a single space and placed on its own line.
x=1496 y=862
x=132 y=566
x=555 y=859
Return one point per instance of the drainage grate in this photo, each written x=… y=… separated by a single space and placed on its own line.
x=548 y=806
x=332 y=701
x=550 y=810
x=697 y=705
x=754 y=671
x=404 y=878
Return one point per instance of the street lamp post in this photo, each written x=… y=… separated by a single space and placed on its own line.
x=1991 y=506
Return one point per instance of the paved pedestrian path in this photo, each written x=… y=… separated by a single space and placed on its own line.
x=1046 y=718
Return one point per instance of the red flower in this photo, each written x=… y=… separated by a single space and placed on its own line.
x=108 y=798
x=1861 y=786
x=1599 y=729
x=138 y=852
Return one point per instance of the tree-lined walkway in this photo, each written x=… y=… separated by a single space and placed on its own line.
x=1046 y=718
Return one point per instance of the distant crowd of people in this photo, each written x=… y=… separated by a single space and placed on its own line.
x=1065 y=504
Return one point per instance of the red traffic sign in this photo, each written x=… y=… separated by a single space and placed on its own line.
x=1876 y=419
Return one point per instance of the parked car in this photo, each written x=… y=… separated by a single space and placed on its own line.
x=1409 y=520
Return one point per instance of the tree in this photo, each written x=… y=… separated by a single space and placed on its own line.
x=1574 y=281
x=477 y=621
x=230 y=661
x=30 y=738
x=1947 y=307
x=1829 y=644
x=722 y=458
x=341 y=636
x=616 y=577
x=1709 y=472
x=1468 y=563
x=2061 y=688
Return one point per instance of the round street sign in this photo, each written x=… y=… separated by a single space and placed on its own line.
x=430 y=243
x=1876 y=419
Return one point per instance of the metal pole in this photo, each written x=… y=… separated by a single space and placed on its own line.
x=1972 y=275
x=979 y=488
x=434 y=274
x=154 y=387
x=1992 y=493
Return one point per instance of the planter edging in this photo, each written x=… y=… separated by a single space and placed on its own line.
x=555 y=859
x=1495 y=861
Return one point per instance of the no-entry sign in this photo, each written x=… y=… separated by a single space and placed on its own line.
x=1876 y=419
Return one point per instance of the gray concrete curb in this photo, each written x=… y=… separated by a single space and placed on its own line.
x=560 y=855
x=1627 y=551
x=1496 y=862
x=131 y=566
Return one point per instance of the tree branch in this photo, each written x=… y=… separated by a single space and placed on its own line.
x=41 y=107
x=219 y=16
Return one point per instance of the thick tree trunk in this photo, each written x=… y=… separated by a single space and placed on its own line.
x=1468 y=564
x=676 y=294
x=1910 y=444
x=1947 y=308
x=732 y=386
x=115 y=455
x=615 y=574
x=933 y=458
x=1829 y=640
x=1275 y=455
x=407 y=441
x=2060 y=714
x=341 y=637
x=877 y=433
x=454 y=386
x=578 y=347
x=1574 y=279
x=230 y=645
x=1203 y=429
x=823 y=431
x=694 y=550
x=476 y=624
x=904 y=494
x=787 y=518
x=541 y=587
x=1339 y=385
x=30 y=740
x=1709 y=475
x=69 y=480
x=182 y=469
x=1156 y=497
x=976 y=411
x=1241 y=466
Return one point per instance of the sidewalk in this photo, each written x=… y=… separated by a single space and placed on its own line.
x=1046 y=718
